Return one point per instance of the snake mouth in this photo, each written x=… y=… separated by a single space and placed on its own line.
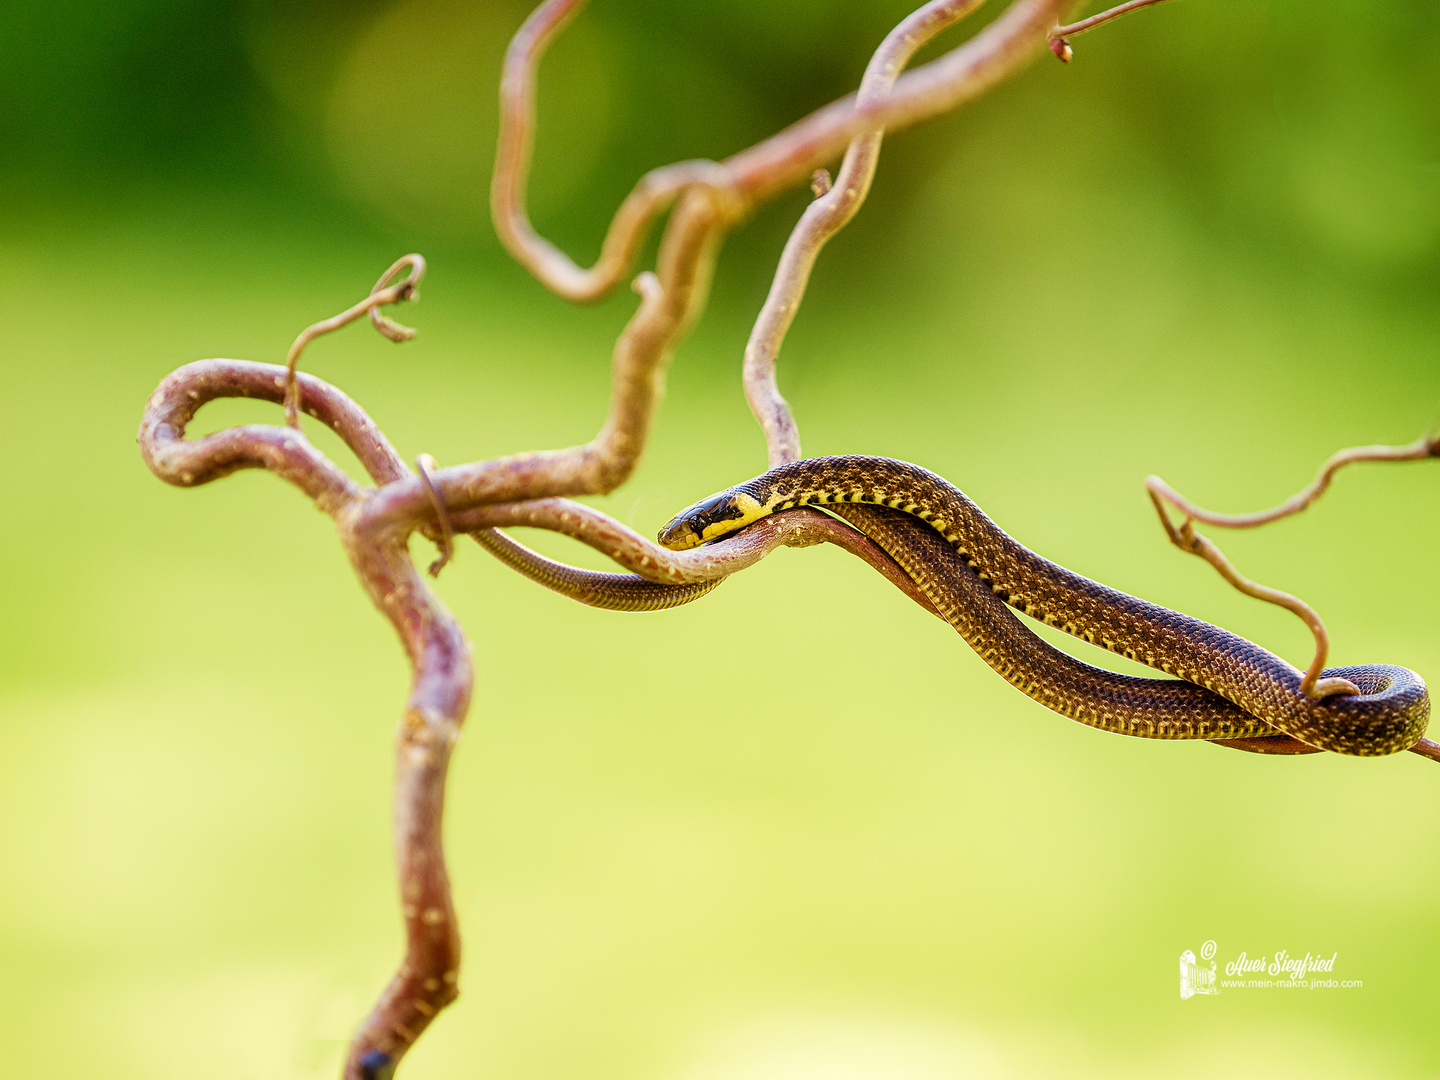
x=709 y=519
x=677 y=535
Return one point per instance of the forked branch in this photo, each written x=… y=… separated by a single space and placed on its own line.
x=1187 y=539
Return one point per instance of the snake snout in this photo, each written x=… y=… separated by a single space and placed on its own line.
x=707 y=520
x=685 y=530
x=678 y=535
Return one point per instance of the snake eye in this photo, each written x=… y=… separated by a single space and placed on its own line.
x=678 y=534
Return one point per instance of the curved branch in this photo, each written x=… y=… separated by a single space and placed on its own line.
x=438 y=652
x=1427 y=446
x=652 y=196
x=670 y=300
x=442 y=677
x=1187 y=539
x=823 y=218
x=282 y=450
x=714 y=562
x=750 y=177
x=186 y=389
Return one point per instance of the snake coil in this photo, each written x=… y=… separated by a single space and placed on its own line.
x=1227 y=688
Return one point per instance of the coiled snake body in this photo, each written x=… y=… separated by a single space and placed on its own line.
x=1232 y=689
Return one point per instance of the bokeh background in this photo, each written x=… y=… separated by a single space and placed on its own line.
x=796 y=830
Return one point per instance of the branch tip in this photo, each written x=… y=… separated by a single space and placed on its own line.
x=408 y=289
x=820 y=182
x=1109 y=15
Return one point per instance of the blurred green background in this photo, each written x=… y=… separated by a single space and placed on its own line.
x=796 y=830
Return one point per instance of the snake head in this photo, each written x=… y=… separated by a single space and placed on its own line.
x=710 y=519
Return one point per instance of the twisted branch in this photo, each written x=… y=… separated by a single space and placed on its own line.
x=836 y=204
x=1187 y=539
x=824 y=217
x=744 y=180
x=705 y=199
x=439 y=654
x=1427 y=446
x=374 y=524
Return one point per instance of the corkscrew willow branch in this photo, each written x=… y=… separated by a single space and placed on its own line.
x=1187 y=539
x=744 y=180
x=704 y=200
x=824 y=217
x=374 y=524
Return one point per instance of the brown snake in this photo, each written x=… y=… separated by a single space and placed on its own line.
x=1228 y=689
x=1232 y=688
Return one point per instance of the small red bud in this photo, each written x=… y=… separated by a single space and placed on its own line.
x=1061 y=48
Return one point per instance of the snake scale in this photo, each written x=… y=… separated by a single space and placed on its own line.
x=1227 y=688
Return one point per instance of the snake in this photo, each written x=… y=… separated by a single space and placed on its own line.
x=1223 y=686
x=604 y=589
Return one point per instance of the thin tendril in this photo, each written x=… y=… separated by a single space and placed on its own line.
x=425 y=465
x=380 y=295
x=1059 y=43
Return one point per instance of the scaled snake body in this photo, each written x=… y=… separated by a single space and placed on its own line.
x=1232 y=689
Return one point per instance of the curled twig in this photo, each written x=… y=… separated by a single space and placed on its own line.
x=425 y=465
x=1187 y=539
x=1426 y=446
x=380 y=295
